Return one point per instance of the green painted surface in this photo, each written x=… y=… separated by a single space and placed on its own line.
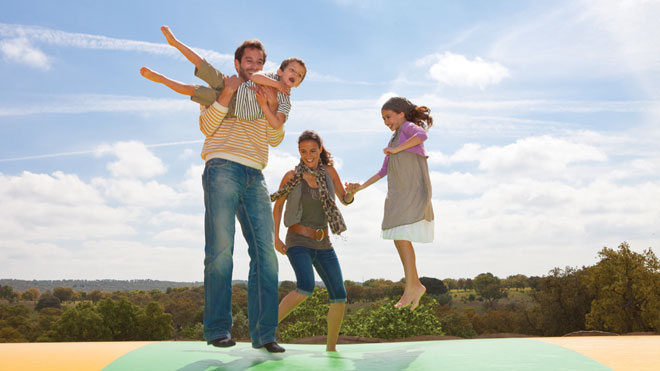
x=455 y=355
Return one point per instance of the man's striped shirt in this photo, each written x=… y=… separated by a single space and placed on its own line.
x=234 y=139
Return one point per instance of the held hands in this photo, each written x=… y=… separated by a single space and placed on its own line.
x=352 y=187
x=280 y=246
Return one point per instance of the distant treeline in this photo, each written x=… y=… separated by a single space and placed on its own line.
x=619 y=294
x=101 y=285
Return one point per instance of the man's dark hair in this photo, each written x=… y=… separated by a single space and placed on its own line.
x=255 y=44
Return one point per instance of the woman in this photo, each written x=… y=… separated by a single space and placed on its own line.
x=310 y=191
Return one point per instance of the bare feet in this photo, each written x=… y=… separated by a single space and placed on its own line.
x=168 y=35
x=411 y=297
x=151 y=75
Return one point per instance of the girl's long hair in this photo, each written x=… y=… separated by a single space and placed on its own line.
x=420 y=115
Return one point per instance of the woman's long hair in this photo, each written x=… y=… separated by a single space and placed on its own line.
x=326 y=157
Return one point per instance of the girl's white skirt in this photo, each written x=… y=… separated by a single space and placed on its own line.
x=421 y=231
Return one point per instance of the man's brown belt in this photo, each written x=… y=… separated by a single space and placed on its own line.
x=317 y=234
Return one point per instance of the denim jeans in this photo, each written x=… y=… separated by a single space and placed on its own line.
x=327 y=266
x=234 y=190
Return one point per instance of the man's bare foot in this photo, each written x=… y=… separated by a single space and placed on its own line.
x=411 y=297
x=151 y=75
x=169 y=35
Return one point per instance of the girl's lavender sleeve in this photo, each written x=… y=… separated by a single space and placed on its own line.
x=383 y=170
x=411 y=130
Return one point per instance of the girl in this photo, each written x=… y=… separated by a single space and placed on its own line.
x=310 y=190
x=408 y=213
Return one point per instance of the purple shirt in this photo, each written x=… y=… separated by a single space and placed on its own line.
x=408 y=130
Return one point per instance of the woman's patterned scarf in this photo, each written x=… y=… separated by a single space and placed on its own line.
x=332 y=214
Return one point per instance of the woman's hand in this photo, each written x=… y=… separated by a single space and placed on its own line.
x=280 y=246
x=352 y=187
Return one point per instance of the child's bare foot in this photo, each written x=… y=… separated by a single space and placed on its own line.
x=411 y=297
x=151 y=75
x=168 y=35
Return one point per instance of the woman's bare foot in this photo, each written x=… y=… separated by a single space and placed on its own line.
x=411 y=297
x=169 y=35
x=151 y=75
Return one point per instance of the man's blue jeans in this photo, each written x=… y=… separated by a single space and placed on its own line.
x=234 y=190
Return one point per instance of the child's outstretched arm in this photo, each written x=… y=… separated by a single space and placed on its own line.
x=179 y=87
x=193 y=57
x=260 y=79
x=355 y=187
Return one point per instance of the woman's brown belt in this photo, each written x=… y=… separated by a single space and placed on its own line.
x=317 y=234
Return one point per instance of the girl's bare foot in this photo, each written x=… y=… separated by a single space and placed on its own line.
x=168 y=35
x=151 y=75
x=411 y=297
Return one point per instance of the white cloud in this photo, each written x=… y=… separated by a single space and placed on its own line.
x=584 y=39
x=456 y=70
x=133 y=192
x=20 y=50
x=86 y=41
x=86 y=103
x=178 y=227
x=134 y=160
x=42 y=207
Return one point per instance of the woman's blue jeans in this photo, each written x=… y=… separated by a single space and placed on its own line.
x=302 y=260
x=232 y=190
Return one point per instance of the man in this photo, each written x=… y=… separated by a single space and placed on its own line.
x=235 y=152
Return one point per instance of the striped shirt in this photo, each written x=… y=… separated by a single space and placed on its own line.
x=247 y=107
x=242 y=141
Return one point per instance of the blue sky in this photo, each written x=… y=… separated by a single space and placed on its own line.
x=544 y=146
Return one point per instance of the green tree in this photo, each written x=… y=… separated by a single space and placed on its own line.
x=433 y=286
x=15 y=323
x=518 y=281
x=451 y=283
x=47 y=300
x=354 y=292
x=563 y=300
x=63 y=293
x=627 y=288
x=31 y=294
x=455 y=323
x=6 y=292
x=385 y=321
x=154 y=323
x=95 y=296
x=120 y=317
x=46 y=324
x=11 y=335
x=81 y=323
x=490 y=288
